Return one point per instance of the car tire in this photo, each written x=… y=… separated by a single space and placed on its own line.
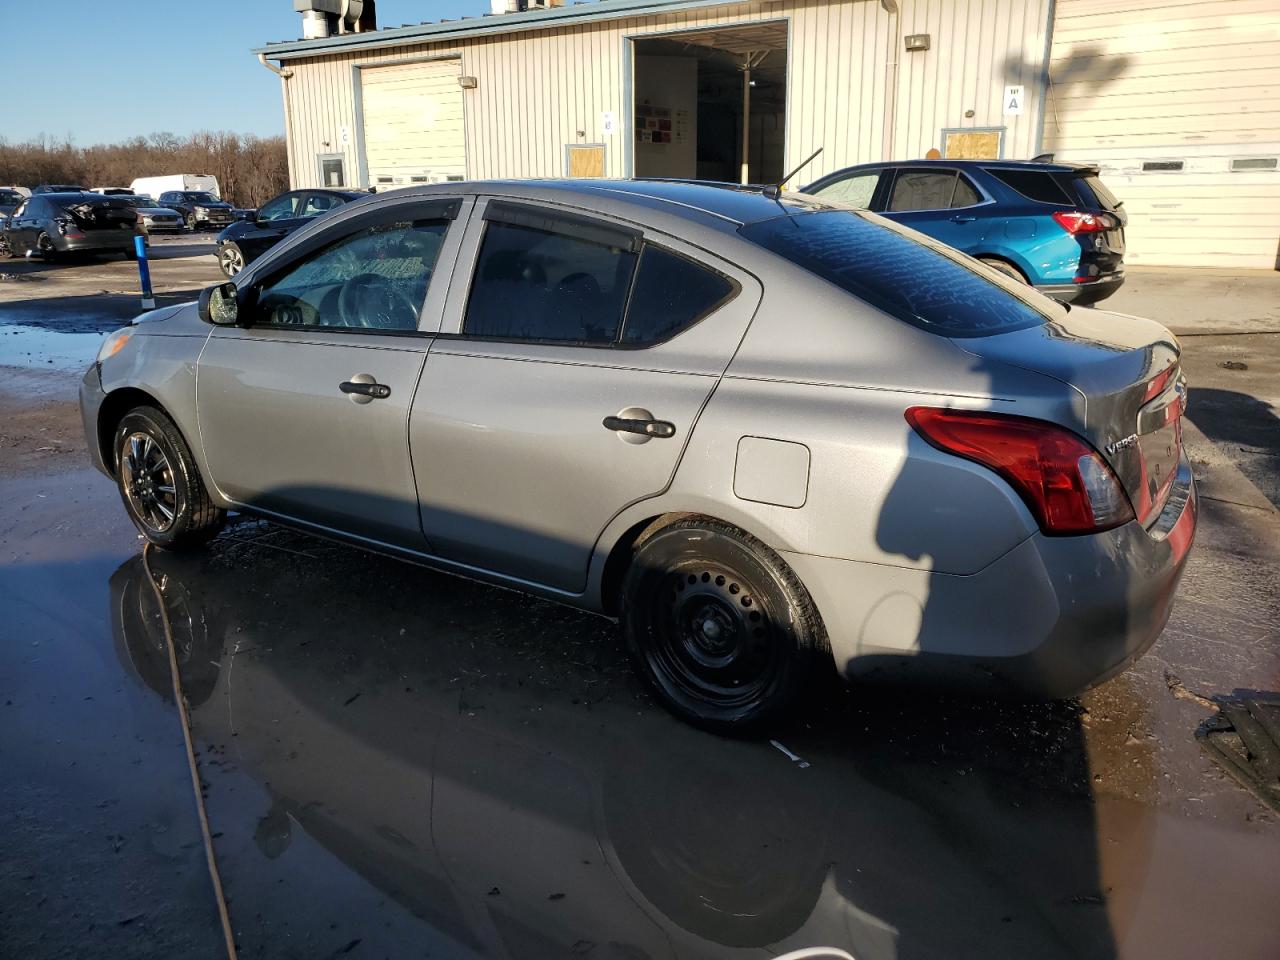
x=45 y=248
x=189 y=221
x=719 y=626
x=230 y=259
x=6 y=250
x=160 y=484
x=1008 y=269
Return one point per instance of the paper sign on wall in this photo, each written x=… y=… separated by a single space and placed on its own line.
x=608 y=122
x=1013 y=100
x=344 y=136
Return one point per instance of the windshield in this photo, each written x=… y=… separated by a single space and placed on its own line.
x=143 y=202
x=903 y=273
x=201 y=197
x=10 y=197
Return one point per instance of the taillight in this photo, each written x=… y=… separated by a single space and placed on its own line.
x=1064 y=481
x=1077 y=221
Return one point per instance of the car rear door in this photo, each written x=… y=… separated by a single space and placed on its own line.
x=20 y=227
x=519 y=460
x=939 y=201
x=304 y=414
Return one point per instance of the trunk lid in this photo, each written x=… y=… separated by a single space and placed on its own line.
x=103 y=214
x=1131 y=389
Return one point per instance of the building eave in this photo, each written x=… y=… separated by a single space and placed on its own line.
x=450 y=30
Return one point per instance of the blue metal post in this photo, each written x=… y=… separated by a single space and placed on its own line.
x=144 y=273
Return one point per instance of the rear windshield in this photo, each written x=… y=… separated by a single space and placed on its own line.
x=1094 y=190
x=10 y=196
x=1032 y=184
x=903 y=273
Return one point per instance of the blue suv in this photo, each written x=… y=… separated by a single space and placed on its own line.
x=1052 y=225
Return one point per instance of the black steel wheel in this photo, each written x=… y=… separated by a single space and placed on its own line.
x=719 y=625
x=160 y=483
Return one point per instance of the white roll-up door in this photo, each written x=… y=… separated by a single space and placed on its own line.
x=1179 y=104
x=413 y=123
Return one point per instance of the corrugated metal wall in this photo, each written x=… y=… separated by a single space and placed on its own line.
x=540 y=90
x=1160 y=83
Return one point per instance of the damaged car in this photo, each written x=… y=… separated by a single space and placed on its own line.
x=51 y=225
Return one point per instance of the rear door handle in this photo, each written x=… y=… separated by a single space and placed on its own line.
x=963 y=219
x=662 y=429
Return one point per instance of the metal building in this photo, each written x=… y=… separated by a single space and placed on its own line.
x=734 y=89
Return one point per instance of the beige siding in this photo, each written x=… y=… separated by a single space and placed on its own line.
x=1199 y=82
x=540 y=90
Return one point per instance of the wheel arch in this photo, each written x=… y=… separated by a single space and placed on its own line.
x=115 y=405
x=1009 y=259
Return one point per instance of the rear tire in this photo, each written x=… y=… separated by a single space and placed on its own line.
x=6 y=249
x=719 y=626
x=44 y=246
x=1008 y=269
x=160 y=484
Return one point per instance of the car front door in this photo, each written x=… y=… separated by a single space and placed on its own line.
x=19 y=228
x=939 y=201
x=270 y=225
x=304 y=413
x=856 y=188
x=564 y=334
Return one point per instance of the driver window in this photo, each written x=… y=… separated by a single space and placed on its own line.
x=281 y=208
x=372 y=280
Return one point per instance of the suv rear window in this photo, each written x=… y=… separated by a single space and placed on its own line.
x=908 y=276
x=1032 y=184
x=1095 y=193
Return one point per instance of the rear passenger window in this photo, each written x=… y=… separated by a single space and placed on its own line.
x=670 y=295
x=922 y=190
x=1032 y=184
x=542 y=285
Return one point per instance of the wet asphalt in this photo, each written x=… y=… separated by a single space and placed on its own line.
x=398 y=763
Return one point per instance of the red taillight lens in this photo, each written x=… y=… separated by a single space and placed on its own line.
x=1076 y=221
x=1063 y=481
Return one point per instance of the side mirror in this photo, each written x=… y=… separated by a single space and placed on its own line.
x=220 y=305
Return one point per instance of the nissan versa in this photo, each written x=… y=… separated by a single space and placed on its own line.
x=767 y=433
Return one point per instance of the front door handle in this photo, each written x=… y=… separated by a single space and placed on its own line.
x=960 y=218
x=362 y=388
x=662 y=429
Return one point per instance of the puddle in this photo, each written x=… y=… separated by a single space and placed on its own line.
x=40 y=348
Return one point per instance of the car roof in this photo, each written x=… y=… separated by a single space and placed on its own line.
x=728 y=204
x=1055 y=166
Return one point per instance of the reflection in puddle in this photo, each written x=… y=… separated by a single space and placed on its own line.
x=38 y=347
x=487 y=764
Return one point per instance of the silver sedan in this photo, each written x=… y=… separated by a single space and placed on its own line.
x=767 y=433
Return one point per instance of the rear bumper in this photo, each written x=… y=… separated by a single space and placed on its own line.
x=1083 y=294
x=104 y=242
x=1050 y=619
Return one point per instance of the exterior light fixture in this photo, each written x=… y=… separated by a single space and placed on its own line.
x=468 y=83
x=916 y=41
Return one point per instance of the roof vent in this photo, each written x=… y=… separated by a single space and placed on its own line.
x=323 y=18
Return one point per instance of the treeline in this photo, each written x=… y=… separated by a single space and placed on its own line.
x=250 y=170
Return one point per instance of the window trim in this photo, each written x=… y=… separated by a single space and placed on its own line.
x=549 y=220
x=413 y=213
x=320 y=162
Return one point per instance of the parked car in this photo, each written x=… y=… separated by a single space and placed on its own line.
x=177 y=182
x=154 y=218
x=246 y=240
x=10 y=200
x=199 y=210
x=764 y=432
x=52 y=224
x=1053 y=225
x=59 y=188
x=113 y=191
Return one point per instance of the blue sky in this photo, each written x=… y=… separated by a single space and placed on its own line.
x=84 y=63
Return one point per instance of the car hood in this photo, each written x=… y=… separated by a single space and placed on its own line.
x=215 y=205
x=152 y=211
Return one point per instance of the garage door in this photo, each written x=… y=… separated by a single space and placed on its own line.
x=413 y=127
x=1179 y=104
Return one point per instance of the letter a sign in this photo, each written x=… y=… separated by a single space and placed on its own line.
x=1013 y=101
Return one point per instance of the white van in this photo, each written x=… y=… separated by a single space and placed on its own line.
x=154 y=186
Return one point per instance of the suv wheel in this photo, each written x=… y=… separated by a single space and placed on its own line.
x=159 y=483
x=719 y=626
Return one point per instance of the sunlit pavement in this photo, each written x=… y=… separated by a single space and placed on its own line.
x=403 y=764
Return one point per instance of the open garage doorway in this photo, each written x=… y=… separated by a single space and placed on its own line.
x=711 y=104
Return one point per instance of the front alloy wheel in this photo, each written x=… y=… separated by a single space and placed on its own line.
x=147 y=478
x=230 y=259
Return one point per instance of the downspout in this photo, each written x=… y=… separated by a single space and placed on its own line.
x=284 y=75
x=891 y=80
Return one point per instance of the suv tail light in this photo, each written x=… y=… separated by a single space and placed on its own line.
x=1077 y=221
x=1064 y=481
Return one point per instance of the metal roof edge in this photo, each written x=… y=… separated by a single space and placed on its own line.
x=600 y=10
